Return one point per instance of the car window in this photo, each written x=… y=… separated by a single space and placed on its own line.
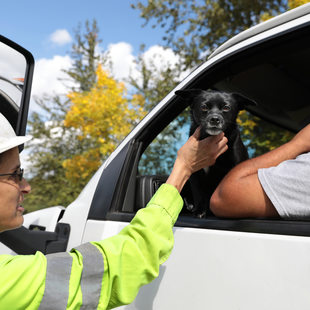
x=258 y=135
x=159 y=156
x=274 y=74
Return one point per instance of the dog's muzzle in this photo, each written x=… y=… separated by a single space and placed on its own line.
x=214 y=124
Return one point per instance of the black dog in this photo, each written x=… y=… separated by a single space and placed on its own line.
x=215 y=112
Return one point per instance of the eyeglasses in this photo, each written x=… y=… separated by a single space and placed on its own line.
x=17 y=175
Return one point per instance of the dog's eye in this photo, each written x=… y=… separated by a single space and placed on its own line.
x=204 y=108
x=226 y=108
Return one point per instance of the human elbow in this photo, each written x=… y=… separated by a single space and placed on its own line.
x=220 y=204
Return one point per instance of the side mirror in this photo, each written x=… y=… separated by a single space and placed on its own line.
x=16 y=72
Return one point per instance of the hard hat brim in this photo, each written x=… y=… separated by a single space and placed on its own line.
x=7 y=144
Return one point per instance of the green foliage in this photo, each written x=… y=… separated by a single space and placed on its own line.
x=156 y=83
x=160 y=155
x=85 y=60
x=195 y=28
x=103 y=115
x=260 y=136
x=53 y=142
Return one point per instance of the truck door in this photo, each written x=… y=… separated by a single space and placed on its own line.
x=222 y=263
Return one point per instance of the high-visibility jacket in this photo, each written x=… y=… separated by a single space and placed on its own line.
x=95 y=275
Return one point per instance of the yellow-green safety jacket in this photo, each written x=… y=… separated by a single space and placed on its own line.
x=95 y=275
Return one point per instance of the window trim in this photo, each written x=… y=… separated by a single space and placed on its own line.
x=258 y=226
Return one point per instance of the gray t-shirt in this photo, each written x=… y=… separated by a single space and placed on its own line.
x=288 y=187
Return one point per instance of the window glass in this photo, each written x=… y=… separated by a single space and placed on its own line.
x=159 y=157
x=259 y=137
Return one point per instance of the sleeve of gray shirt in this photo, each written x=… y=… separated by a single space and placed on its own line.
x=288 y=187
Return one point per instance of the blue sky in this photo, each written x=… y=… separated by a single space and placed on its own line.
x=33 y=24
x=47 y=28
x=30 y=23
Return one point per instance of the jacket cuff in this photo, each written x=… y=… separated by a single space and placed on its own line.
x=168 y=197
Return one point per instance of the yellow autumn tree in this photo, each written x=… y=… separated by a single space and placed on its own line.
x=103 y=116
x=292 y=4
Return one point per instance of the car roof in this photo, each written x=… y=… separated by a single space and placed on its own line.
x=264 y=26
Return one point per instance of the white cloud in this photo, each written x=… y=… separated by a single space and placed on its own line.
x=48 y=76
x=60 y=37
x=50 y=79
x=160 y=57
x=122 y=59
x=156 y=57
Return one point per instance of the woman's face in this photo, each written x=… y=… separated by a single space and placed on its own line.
x=12 y=191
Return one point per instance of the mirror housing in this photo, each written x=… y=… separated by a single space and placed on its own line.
x=16 y=73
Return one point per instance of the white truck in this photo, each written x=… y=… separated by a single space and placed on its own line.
x=216 y=263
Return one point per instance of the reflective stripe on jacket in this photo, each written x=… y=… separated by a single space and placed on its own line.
x=96 y=275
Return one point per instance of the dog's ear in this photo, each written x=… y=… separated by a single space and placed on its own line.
x=188 y=93
x=243 y=101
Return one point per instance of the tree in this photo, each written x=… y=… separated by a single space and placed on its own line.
x=193 y=29
x=157 y=77
x=85 y=59
x=53 y=142
x=292 y=4
x=260 y=136
x=102 y=116
x=154 y=83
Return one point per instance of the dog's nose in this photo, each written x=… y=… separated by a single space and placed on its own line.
x=214 y=120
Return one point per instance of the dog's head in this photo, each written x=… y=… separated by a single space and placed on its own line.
x=214 y=111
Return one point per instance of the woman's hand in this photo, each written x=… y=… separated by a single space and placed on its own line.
x=194 y=155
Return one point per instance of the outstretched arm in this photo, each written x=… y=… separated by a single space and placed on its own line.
x=132 y=257
x=240 y=194
x=194 y=155
x=108 y=273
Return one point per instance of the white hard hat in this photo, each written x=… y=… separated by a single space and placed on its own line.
x=8 y=138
